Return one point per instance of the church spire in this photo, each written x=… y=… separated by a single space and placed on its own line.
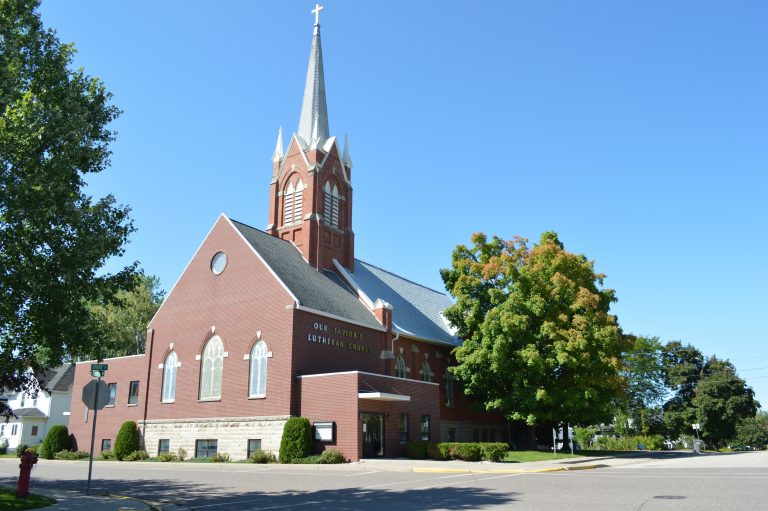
x=314 y=112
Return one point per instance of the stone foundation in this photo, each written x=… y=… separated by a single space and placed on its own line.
x=231 y=433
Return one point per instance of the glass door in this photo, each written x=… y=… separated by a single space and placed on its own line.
x=373 y=434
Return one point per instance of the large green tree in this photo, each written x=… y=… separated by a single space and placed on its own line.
x=722 y=400
x=122 y=322
x=54 y=238
x=683 y=367
x=540 y=343
x=644 y=370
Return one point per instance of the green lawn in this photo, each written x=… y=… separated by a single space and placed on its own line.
x=523 y=456
x=9 y=502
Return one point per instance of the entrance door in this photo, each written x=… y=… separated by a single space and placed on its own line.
x=373 y=434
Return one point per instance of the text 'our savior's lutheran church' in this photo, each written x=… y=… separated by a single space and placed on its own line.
x=265 y=325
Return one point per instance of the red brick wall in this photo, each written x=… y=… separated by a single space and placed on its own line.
x=108 y=421
x=240 y=302
x=335 y=398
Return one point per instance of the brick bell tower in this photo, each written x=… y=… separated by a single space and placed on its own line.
x=310 y=195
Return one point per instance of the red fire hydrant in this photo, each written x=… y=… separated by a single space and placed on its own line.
x=28 y=460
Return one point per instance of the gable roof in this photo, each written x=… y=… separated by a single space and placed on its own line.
x=29 y=412
x=313 y=289
x=416 y=309
x=59 y=379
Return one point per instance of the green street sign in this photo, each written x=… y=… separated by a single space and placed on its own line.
x=98 y=370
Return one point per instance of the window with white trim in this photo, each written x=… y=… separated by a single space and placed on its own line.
x=258 y=380
x=400 y=367
x=211 y=369
x=169 y=377
x=331 y=204
x=293 y=199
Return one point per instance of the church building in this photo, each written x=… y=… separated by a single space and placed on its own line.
x=264 y=325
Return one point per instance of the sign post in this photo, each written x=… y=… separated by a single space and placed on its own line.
x=95 y=397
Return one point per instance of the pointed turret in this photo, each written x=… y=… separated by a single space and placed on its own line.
x=346 y=158
x=314 y=111
x=278 y=154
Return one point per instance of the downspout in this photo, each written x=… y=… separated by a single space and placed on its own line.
x=149 y=348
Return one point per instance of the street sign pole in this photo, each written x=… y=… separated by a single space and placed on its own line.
x=93 y=438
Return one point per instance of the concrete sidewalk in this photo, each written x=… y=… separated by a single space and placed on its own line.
x=68 y=500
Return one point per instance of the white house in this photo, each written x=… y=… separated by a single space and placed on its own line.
x=35 y=416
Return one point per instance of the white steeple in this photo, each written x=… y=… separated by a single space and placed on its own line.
x=314 y=111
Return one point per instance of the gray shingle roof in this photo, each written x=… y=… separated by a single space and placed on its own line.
x=59 y=379
x=416 y=309
x=312 y=288
x=29 y=412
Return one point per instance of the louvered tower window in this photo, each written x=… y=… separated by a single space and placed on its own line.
x=331 y=210
x=293 y=199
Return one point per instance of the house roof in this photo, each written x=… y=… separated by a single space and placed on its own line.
x=416 y=309
x=59 y=379
x=29 y=412
x=312 y=288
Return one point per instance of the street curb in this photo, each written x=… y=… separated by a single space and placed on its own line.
x=152 y=507
x=426 y=470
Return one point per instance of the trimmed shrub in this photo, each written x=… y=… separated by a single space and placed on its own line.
x=20 y=449
x=439 y=451
x=469 y=452
x=331 y=457
x=494 y=451
x=259 y=456
x=219 y=457
x=136 y=456
x=297 y=439
x=417 y=450
x=167 y=456
x=70 y=455
x=181 y=454
x=107 y=455
x=33 y=449
x=55 y=441
x=4 y=446
x=127 y=440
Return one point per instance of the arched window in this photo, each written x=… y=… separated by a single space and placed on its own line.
x=258 y=382
x=293 y=199
x=212 y=369
x=169 y=377
x=400 y=367
x=449 y=379
x=331 y=210
x=426 y=371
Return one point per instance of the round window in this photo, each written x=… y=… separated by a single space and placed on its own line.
x=219 y=262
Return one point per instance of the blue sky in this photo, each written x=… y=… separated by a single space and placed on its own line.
x=636 y=130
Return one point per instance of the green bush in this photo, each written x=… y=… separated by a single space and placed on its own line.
x=4 y=446
x=167 y=456
x=107 y=455
x=127 y=440
x=439 y=451
x=219 y=457
x=33 y=449
x=297 y=439
x=494 y=451
x=55 y=441
x=331 y=457
x=417 y=449
x=70 y=455
x=20 y=449
x=585 y=437
x=469 y=452
x=136 y=456
x=259 y=456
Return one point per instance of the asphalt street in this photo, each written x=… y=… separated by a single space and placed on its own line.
x=737 y=481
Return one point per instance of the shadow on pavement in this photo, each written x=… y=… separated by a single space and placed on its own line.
x=197 y=496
